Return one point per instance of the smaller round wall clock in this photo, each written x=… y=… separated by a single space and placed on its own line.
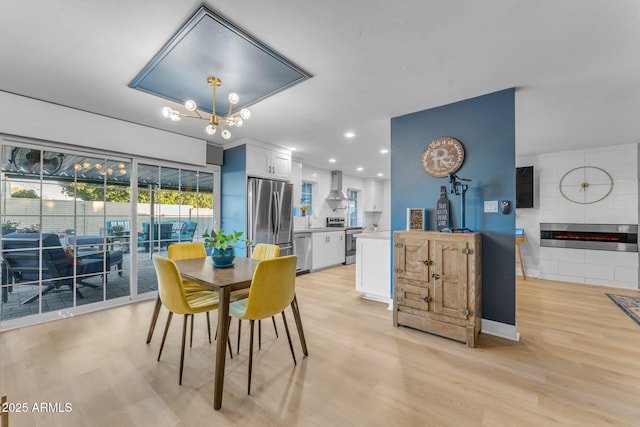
x=586 y=184
x=442 y=156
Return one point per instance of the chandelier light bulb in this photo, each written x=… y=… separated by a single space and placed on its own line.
x=239 y=122
x=245 y=114
x=234 y=98
x=77 y=166
x=167 y=112
x=190 y=105
x=175 y=116
x=123 y=171
x=226 y=134
x=211 y=129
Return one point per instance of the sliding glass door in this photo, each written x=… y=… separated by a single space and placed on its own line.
x=77 y=233
x=56 y=254
x=175 y=205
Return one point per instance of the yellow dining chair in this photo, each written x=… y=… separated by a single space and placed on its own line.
x=173 y=296
x=178 y=251
x=264 y=251
x=188 y=250
x=260 y=252
x=272 y=290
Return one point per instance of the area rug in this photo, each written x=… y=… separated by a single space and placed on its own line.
x=630 y=305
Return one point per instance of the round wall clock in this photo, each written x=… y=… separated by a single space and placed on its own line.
x=442 y=156
x=586 y=184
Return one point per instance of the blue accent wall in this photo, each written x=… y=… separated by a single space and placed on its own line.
x=485 y=126
x=234 y=192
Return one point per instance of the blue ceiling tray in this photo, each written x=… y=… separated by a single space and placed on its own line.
x=209 y=45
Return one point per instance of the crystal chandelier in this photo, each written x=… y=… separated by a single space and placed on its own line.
x=214 y=120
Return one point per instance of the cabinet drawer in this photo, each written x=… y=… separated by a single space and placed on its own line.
x=418 y=313
x=409 y=295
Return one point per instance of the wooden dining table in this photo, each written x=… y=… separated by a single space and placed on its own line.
x=225 y=281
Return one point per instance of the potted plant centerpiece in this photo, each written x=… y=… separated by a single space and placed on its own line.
x=223 y=246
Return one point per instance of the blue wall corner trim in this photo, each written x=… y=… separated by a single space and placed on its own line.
x=233 y=184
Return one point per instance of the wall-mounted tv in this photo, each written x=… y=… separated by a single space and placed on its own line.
x=524 y=187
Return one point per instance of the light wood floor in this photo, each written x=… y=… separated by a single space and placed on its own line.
x=577 y=364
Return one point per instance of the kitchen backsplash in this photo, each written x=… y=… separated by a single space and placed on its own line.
x=299 y=222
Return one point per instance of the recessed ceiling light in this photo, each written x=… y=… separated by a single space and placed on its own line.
x=360 y=169
x=350 y=135
x=332 y=160
x=384 y=151
x=380 y=174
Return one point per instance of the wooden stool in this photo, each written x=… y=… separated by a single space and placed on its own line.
x=520 y=239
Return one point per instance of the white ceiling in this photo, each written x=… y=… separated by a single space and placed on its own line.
x=575 y=65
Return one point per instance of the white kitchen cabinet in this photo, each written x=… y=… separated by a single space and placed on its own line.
x=337 y=246
x=373 y=267
x=328 y=249
x=372 y=196
x=265 y=163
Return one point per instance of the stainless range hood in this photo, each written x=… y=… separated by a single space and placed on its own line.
x=336 y=194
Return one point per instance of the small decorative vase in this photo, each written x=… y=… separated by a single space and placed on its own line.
x=223 y=257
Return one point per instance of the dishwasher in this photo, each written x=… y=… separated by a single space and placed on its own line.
x=302 y=249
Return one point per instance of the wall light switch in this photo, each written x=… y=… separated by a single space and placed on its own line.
x=491 y=206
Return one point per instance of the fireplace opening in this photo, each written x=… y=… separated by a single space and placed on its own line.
x=607 y=237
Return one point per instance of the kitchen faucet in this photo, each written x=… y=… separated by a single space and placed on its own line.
x=311 y=212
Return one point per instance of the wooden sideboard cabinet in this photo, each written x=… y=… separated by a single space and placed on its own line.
x=437 y=280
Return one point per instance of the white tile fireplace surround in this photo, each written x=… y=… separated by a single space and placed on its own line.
x=606 y=268
x=597 y=267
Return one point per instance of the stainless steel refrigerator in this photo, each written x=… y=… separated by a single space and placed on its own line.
x=270 y=214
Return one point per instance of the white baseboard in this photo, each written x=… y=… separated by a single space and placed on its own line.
x=502 y=330
x=377 y=298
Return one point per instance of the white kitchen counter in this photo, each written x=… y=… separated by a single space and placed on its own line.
x=382 y=235
x=318 y=229
x=373 y=266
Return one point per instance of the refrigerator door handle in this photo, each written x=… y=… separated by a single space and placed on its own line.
x=250 y=209
x=274 y=215
x=277 y=227
x=272 y=226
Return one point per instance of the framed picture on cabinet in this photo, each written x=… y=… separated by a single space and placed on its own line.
x=416 y=219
